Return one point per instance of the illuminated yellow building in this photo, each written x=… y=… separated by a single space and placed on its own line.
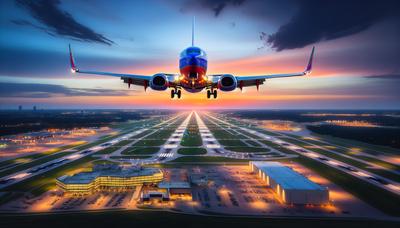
x=105 y=178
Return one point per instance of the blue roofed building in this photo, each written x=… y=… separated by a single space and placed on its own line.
x=290 y=186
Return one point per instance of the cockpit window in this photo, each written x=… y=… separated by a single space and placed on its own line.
x=193 y=51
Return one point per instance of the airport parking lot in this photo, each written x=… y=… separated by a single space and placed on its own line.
x=230 y=190
x=235 y=190
x=56 y=201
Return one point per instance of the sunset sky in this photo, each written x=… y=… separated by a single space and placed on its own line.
x=357 y=59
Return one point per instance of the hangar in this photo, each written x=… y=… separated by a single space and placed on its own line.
x=290 y=186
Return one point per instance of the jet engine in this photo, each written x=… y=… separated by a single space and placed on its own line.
x=227 y=82
x=159 y=82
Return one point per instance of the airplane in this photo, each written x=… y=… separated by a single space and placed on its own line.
x=193 y=77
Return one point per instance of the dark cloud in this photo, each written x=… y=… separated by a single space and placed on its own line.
x=35 y=90
x=216 y=6
x=304 y=22
x=317 y=20
x=384 y=77
x=56 y=21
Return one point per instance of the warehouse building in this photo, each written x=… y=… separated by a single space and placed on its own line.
x=290 y=186
x=166 y=191
x=108 y=177
x=177 y=189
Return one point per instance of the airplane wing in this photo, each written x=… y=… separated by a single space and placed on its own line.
x=135 y=79
x=245 y=81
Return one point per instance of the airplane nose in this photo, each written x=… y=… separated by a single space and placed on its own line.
x=193 y=61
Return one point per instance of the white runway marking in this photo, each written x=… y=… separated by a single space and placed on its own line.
x=166 y=155
x=213 y=146
x=170 y=146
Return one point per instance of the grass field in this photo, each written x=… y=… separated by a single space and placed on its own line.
x=368 y=148
x=380 y=163
x=150 y=142
x=100 y=141
x=45 y=181
x=161 y=134
x=33 y=163
x=222 y=134
x=376 y=197
x=140 y=150
x=249 y=135
x=277 y=147
x=233 y=142
x=103 y=162
x=207 y=159
x=192 y=151
x=107 y=150
x=247 y=149
x=265 y=131
x=140 y=135
x=130 y=157
x=253 y=143
x=192 y=137
x=31 y=157
x=353 y=162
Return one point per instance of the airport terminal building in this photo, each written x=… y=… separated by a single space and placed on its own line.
x=108 y=177
x=290 y=186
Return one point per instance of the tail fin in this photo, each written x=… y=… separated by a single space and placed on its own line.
x=309 y=65
x=193 y=23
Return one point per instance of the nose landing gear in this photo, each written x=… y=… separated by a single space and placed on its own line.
x=211 y=93
x=176 y=92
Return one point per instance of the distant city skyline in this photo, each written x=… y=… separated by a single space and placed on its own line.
x=356 y=62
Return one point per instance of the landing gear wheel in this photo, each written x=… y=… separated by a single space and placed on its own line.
x=208 y=94
x=215 y=94
x=179 y=93
x=172 y=93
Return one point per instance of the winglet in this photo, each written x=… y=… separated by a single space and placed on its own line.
x=308 y=70
x=72 y=61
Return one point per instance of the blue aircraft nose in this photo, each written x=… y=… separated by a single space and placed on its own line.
x=193 y=61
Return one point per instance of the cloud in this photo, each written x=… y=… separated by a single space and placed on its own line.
x=303 y=22
x=35 y=90
x=56 y=21
x=384 y=77
x=317 y=20
x=216 y=6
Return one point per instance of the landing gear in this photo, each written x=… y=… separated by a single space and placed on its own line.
x=177 y=92
x=211 y=93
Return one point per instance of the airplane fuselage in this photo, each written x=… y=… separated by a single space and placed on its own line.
x=193 y=68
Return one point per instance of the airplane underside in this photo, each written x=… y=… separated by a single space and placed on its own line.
x=192 y=77
x=211 y=93
x=193 y=90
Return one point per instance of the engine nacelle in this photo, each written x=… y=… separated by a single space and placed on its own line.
x=227 y=82
x=159 y=82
